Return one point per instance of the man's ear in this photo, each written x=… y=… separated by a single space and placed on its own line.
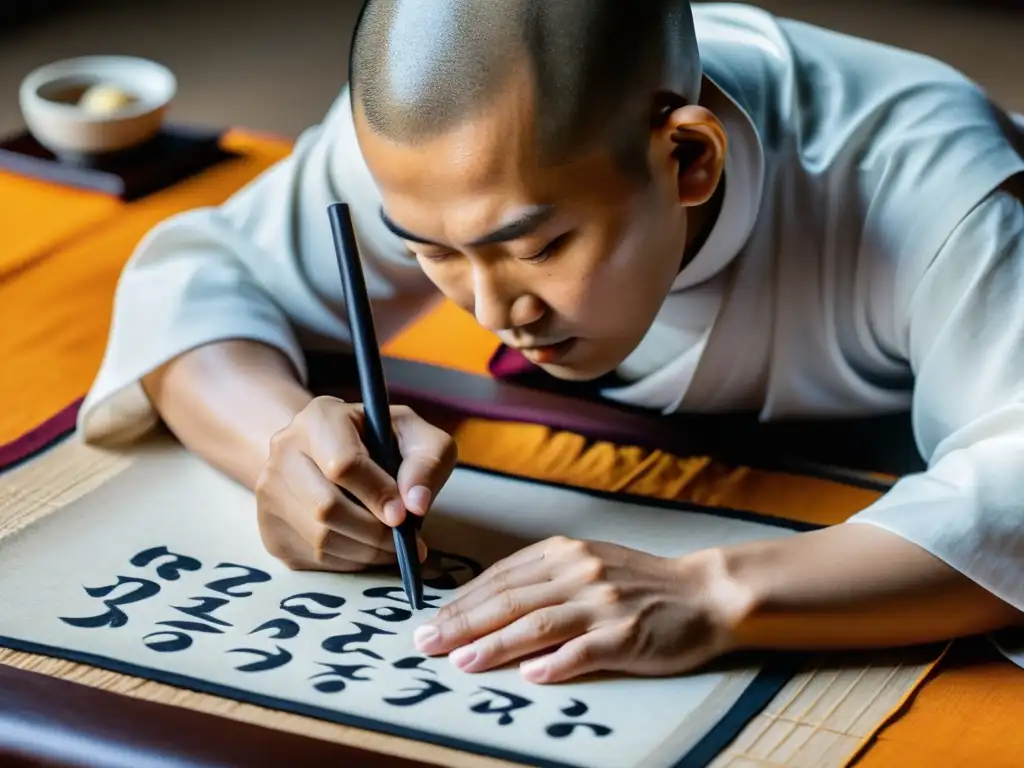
x=689 y=149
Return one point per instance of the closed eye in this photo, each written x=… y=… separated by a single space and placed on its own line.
x=549 y=250
x=442 y=256
x=541 y=256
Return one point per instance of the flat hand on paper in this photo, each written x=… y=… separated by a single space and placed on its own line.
x=580 y=607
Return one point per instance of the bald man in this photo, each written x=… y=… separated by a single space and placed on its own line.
x=708 y=210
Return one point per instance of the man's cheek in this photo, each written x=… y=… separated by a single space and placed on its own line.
x=448 y=282
x=576 y=302
x=603 y=300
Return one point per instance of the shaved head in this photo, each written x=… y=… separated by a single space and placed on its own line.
x=600 y=71
x=547 y=163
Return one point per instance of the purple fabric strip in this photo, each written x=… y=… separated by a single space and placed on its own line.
x=507 y=364
x=525 y=394
x=40 y=437
x=460 y=394
x=510 y=366
x=453 y=393
x=537 y=401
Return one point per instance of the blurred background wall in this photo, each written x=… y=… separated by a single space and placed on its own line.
x=276 y=66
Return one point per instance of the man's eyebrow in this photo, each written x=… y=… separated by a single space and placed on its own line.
x=523 y=224
x=405 y=235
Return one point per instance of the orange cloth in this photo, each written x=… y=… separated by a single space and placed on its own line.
x=430 y=340
x=966 y=716
x=33 y=228
x=65 y=250
x=55 y=295
x=533 y=451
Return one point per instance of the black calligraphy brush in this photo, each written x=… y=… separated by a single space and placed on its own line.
x=379 y=437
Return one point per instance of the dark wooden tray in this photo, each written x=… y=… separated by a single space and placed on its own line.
x=174 y=154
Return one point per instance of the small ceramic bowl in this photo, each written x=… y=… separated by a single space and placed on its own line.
x=50 y=96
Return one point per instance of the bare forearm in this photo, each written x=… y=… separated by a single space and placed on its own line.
x=226 y=400
x=850 y=586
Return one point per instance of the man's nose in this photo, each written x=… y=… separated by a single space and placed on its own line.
x=501 y=306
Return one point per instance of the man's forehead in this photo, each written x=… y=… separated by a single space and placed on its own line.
x=480 y=181
x=494 y=142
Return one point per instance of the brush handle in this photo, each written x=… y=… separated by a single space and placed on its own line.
x=379 y=437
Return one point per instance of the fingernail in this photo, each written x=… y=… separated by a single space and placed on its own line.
x=463 y=657
x=425 y=636
x=419 y=499
x=393 y=512
x=534 y=670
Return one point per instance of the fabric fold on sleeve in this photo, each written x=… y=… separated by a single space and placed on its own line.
x=260 y=267
x=966 y=344
x=173 y=297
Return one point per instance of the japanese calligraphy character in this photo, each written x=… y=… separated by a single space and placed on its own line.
x=447 y=571
x=504 y=711
x=295 y=605
x=167 y=571
x=115 y=617
x=204 y=609
x=268 y=659
x=229 y=586
x=338 y=676
x=428 y=690
x=281 y=629
x=576 y=709
x=343 y=643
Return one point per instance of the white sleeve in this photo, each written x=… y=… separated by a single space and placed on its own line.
x=261 y=266
x=965 y=336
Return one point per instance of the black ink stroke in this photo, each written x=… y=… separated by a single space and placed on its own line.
x=167 y=571
x=177 y=641
x=229 y=586
x=397 y=594
x=575 y=709
x=388 y=613
x=513 y=702
x=115 y=617
x=448 y=571
x=342 y=643
x=563 y=730
x=280 y=629
x=166 y=641
x=413 y=662
x=205 y=609
x=428 y=690
x=269 y=660
x=294 y=606
x=338 y=676
x=192 y=626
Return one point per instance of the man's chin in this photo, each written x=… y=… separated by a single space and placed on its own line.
x=583 y=361
x=577 y=373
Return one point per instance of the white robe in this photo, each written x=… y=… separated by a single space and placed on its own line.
x=864 y=262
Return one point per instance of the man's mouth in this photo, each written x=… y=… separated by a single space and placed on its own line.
x=540 y=354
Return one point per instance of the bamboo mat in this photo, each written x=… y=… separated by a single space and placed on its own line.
x=823 y=717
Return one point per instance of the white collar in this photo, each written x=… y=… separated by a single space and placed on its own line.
x=744 y=177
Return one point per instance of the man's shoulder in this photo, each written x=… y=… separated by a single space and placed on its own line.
x=903 y=140
x=803 y=83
